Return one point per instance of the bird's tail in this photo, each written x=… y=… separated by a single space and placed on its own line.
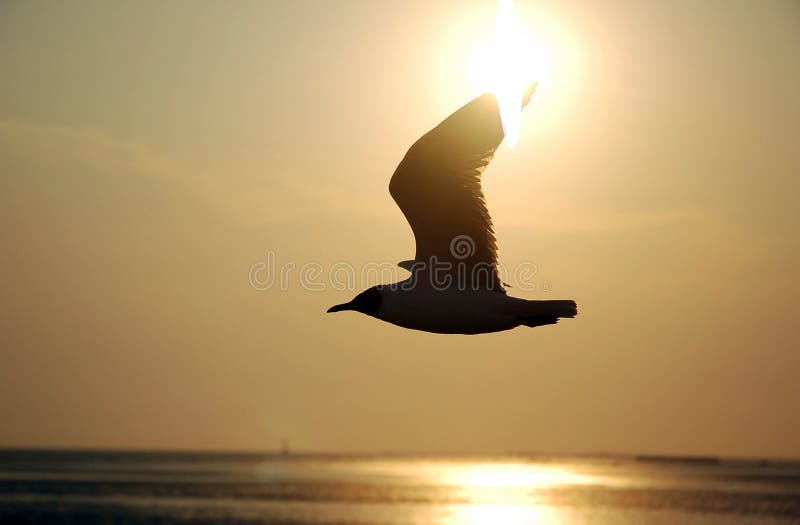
x=538 y=313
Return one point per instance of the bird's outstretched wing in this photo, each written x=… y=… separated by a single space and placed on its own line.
x=438 y=187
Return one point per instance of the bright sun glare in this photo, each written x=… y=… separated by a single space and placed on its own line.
x=513 y=476
x=510 y=61
x=506 y=493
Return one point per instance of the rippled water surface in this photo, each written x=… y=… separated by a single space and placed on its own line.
x=124 y=487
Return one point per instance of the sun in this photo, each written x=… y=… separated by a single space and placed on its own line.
x=509 y=61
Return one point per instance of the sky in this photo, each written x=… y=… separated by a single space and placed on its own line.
x=157 y=158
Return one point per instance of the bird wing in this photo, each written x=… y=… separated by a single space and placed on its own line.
x=438 y=188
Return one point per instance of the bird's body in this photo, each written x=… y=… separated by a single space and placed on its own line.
x=454 y=286
x=454 y=311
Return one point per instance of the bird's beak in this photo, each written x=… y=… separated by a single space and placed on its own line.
x=339 y=308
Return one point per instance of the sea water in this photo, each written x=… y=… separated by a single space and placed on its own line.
x=194 y=488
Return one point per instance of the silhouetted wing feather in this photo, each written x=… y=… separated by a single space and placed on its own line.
x=438 y=187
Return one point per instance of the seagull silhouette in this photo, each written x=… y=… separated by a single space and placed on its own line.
x=454 y=287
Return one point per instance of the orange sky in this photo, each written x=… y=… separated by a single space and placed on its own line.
x=151 y=154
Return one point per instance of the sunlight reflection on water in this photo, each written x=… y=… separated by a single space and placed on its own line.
x=491 y=514
x=505 y=493
x=514 y=475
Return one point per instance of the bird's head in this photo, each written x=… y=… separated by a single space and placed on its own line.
x=367 y=302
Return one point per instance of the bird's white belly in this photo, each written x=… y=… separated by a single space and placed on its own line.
x=447 y=311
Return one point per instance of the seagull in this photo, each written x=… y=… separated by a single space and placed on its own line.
x=454 y=287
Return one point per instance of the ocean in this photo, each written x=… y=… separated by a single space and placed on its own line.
x=89 y=487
